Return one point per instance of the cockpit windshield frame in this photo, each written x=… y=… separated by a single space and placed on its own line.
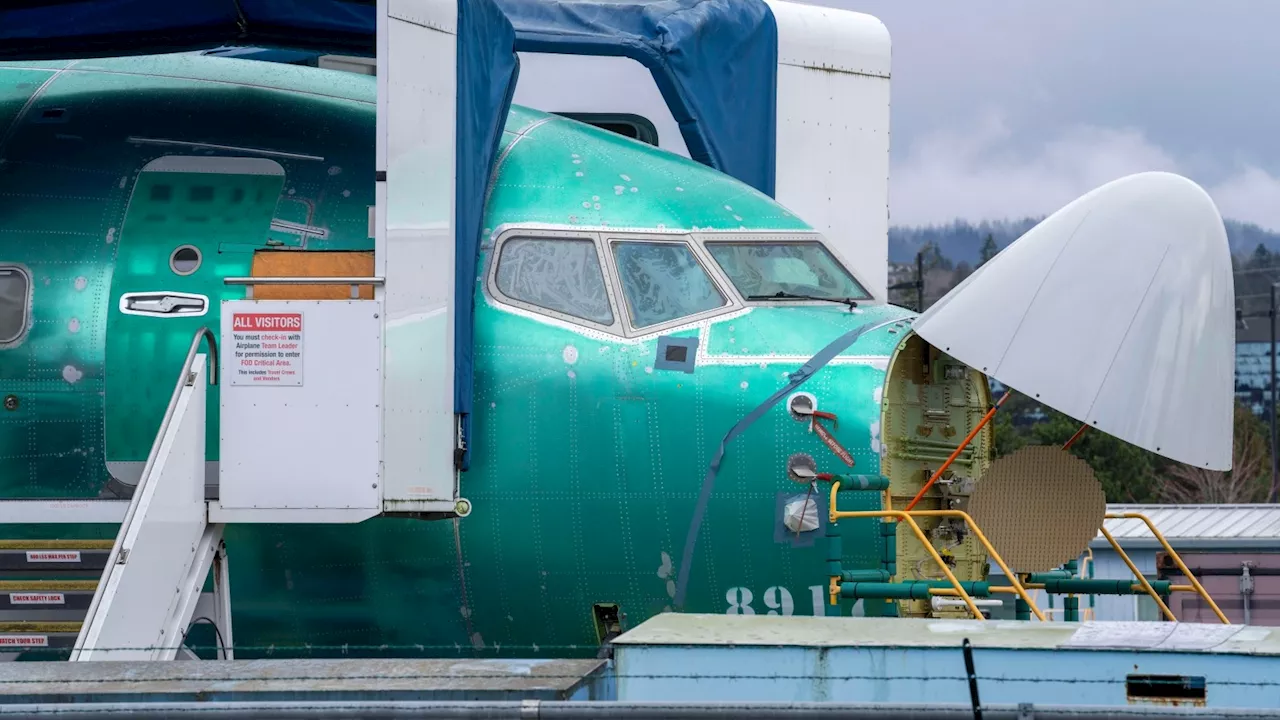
x=707 y=239
x=605 y=241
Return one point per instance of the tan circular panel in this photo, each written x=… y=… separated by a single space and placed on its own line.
x=1039 y=507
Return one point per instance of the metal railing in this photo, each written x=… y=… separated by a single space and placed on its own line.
x=1194 y=586
x=353 y=281
x=185 y=379
x=908 y=516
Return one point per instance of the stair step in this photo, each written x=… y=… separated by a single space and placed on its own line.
x=16 y=636
x=55 y=556
x=50 y=599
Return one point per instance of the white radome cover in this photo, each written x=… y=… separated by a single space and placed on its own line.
x=1118 y=311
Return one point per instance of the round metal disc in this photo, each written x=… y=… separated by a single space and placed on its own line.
x=1039 y=507
x=801 y=467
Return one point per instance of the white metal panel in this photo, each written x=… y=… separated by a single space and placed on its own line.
x=833 y=132
x=841 y=40
x=417 y=74
x=157 y=546
x=595 y=84
x=1117 y=310
x=311 y=445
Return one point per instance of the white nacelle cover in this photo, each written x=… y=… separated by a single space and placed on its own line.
x=1118 y=311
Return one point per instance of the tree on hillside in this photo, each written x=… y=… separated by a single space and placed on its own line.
x=1246 y=482
x=988 y=250
x=1261 y=258
x=933 y=257
x=1128 y=474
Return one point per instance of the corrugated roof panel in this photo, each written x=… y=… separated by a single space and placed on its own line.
x=1200 y=522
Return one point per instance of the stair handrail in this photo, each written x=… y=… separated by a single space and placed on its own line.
x=184 y=379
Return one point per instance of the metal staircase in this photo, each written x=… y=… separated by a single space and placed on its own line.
x=133 y=598
x=45 y=591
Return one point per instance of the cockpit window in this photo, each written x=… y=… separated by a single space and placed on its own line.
x=761 y=269
x=15 y=291
x=557 y=274
x=663 y=281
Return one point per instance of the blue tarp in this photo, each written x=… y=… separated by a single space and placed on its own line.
x=715 y=62
x=64 y=29
x=487 y=73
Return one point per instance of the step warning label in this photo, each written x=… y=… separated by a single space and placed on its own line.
x=268 y=349
x=24 y=641
x=53 y=556
x=37 y=598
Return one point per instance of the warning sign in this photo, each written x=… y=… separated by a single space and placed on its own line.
x=32 y=598
x=268 y=349
x=24 y=641
x=53 y=556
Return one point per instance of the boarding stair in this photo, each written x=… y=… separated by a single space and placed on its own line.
x=46 y=587
x=135 y=597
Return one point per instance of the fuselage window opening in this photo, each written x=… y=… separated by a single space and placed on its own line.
x=15 y=304
x=624 y=124
x=785 y=270
x=663 y=281
x=563 y=275
x=185 y=260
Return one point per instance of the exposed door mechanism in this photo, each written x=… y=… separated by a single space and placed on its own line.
x=164 y=304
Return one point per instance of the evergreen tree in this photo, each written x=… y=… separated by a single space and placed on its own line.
x=934 y=259
x=988 y=250
x=1261 y=257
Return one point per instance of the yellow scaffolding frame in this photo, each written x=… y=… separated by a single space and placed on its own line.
x=908 y=516
x=1016 y=586
x=1177 y=559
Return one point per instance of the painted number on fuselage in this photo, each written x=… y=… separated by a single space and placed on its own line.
x=777 y=600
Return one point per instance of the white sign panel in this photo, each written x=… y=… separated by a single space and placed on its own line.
x=10 y=641
x=53 y=556
x=36 y=598
x=296 y=447
x=266 y=348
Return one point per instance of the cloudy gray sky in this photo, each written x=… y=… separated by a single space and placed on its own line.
x=1015 y=107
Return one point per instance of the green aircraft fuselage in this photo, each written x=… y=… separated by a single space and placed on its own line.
x=163 y=175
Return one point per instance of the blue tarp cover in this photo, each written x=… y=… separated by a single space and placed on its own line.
x=487 y=73
x=715 y=62
x=65 y=29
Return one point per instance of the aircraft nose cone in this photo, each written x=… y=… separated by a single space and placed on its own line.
x=1118 y=311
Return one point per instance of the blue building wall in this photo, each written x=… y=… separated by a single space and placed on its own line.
x=1253 y=366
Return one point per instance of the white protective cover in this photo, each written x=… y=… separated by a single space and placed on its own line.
x=1118 y=311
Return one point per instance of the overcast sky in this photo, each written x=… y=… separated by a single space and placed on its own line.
x=1015 y=107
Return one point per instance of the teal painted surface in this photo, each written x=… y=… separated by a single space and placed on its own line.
x=555 y=171
x=585 y=471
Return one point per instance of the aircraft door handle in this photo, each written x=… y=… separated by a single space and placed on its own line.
x=164 y=304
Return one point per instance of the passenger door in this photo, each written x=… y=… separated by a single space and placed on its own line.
x=190 y=222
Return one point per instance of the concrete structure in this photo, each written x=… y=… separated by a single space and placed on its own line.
x=703 y=658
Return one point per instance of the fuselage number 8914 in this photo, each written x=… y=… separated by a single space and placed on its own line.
x=776 y=600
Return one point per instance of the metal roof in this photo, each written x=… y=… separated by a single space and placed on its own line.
x=1183 y=525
